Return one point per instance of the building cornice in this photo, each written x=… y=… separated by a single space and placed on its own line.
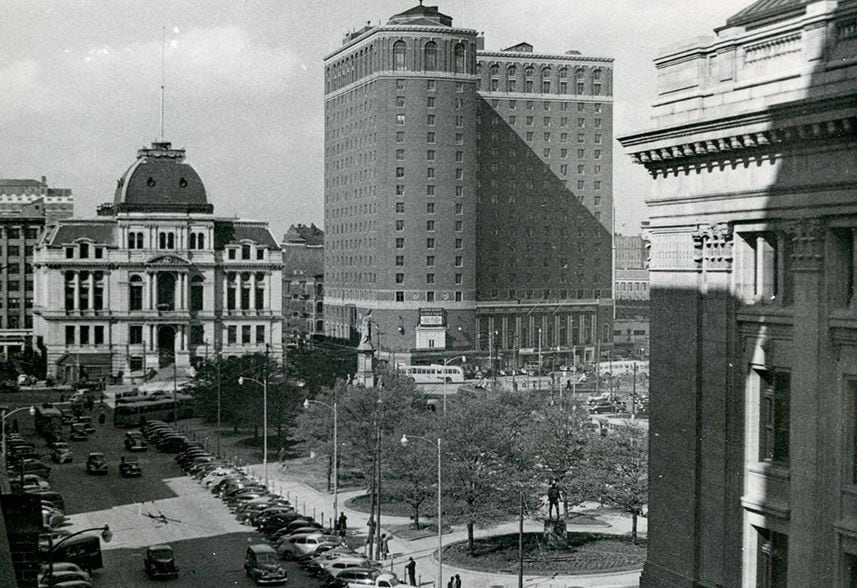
x=795 y=123
x=439 y=30
x=524 y=56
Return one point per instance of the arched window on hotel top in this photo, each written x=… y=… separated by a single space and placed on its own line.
x=399 y=50
x=430 y=56
x=459 y=65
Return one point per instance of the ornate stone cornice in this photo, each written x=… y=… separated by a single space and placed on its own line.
x=807 y=237
x=735 y=144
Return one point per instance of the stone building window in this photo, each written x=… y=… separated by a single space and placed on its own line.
x=761 y=267
x=774 y=417
x=772 y=559
x=430 y=56
x=458 y=61
x=399 y=54
x=135 y=334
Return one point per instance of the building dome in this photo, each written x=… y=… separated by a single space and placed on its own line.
x=160 y=181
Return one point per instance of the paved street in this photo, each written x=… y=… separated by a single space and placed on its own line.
x=209 y=543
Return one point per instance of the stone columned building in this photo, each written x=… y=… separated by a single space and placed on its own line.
x=753 y=208
x=155 y=279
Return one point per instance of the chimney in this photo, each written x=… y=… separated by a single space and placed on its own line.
x=480 y=41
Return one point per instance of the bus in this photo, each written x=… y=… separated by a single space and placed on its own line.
x=434 y=373
x=623 y=367
x=133 y=414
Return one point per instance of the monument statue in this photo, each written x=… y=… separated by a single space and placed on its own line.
x=366 y=328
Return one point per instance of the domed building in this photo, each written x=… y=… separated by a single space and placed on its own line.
x=155 y=280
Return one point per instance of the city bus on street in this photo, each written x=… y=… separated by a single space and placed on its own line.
x=434 y=373
x=133 y=414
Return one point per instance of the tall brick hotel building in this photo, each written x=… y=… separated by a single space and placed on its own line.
x=468 y=193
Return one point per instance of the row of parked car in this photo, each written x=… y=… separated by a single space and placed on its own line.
x=290 y=535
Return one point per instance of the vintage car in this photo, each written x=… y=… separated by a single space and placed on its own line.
x=134 y=441
x=78 y=432
x=61 y=452
x=160 y=562
x=129 y=467
x=262 y=565
x=95 y=464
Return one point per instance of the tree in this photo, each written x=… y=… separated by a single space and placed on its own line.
x=487 y=454
x=410 y=473
x=560 y=448
x=624 y=478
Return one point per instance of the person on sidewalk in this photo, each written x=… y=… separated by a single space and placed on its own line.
x=451 y=583
x=411 y=569
x=343 y=524
x=385 y=545
x=281 y=457
x=457 y=583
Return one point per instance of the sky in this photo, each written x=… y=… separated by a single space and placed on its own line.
x=244 y=78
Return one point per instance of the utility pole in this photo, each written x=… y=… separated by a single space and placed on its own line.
x=634 y=393
x=521 y=544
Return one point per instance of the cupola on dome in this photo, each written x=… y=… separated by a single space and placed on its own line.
x=160 y=181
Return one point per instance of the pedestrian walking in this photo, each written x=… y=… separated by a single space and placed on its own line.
x=343 y=524
x=411 y=569
x=457 y=583
x=281 y=457
x=451 y=583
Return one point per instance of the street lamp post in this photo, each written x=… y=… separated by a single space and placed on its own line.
x=404 y=441
x=264 y=384
x=4 y=415
x=106 y=535
x=333 y=408
x=443 y=375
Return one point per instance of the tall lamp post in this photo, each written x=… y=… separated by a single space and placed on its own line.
x=333 y=408
x=4 y=415
x=264 y=384
x=463 y=359
x=106 y=535
x=404 y=441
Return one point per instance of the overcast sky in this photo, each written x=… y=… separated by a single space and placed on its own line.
x=79 y=85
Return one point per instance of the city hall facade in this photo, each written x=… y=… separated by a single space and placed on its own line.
x=156 y=279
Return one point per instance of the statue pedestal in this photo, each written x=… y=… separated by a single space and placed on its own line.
x=365 y=375
x=555 y=533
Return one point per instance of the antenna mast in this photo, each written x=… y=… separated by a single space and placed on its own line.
x=163 y=76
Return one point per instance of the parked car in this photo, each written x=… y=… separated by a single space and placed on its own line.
x=78 y=432
x=296 y=545
x=62 y=566
x=134 y=441
x=262 y=566
x=29 y=466
x=60 y=578
x=129 y=467
x=61 y=452
x=160 y=562
x=96 y=464
x=86 y=421
x=49 y=498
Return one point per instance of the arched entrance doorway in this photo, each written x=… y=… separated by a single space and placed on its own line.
x=166 y=345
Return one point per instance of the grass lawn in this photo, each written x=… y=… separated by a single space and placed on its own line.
x=580 y=554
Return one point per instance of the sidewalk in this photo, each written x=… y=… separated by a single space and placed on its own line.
x=320 y=505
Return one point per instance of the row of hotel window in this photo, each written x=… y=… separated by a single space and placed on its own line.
x=94 y=334
x=429 y=296
x=597 y=138
x=547 y=105
x=546 y=87
x=14 y=322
